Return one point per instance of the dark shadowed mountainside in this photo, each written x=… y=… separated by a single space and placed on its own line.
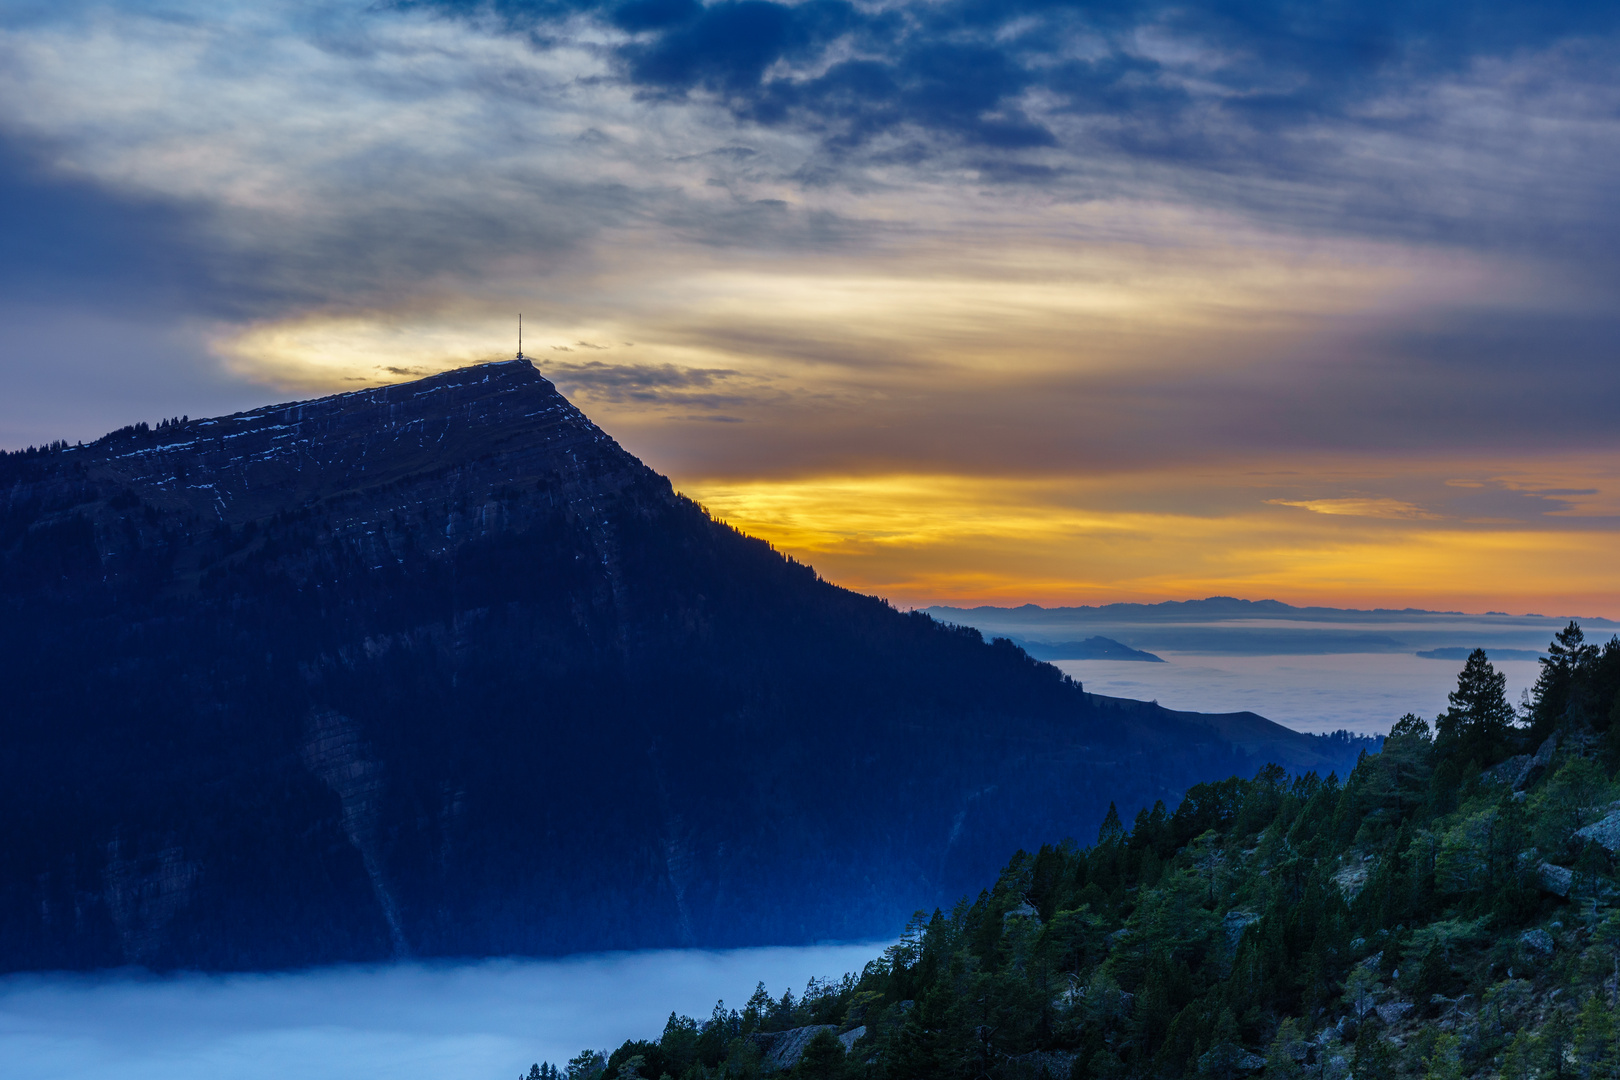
x=439 y=669
x=1092 y=648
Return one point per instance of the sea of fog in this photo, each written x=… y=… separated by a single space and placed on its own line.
x=1312 y=669
x=483 y=1021
x=1360 y=692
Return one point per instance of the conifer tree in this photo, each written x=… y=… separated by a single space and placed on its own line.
x=1287 y=1052
x=1566 y=656
x=1374 y=1057
x=1475 y=728
x=1112 y=830
x=1594 y=1041
x=823 y=1058
x=1444 y=1062
x=1519 y=1063
x=1555 y=1042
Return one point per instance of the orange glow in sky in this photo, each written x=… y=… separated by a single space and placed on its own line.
x=1066 y=342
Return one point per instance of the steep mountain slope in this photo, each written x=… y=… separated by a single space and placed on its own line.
x=1448 y=911
x=440 y=669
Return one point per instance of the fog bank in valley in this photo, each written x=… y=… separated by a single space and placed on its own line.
x=1360 y=692
x=445 y=1022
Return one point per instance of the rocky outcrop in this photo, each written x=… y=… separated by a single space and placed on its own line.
x=1522 y=770
x=1235 y=922
x=1557 y=880
x=1022 y=910
x=1392 y=1011
x=333 y=751
x=782 y=1049
x=1605 y=833
x=1352 y=877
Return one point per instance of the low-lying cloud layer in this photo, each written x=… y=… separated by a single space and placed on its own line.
x=1327 y=286
x=408 y=1022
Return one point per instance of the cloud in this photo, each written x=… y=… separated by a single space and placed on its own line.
x=647 y=384
x=1339 y=118
x=1161 y=535
x=1359 y=507
x=444 y=1022
x=371 y=156
x=1015 y=241
x=72 y=235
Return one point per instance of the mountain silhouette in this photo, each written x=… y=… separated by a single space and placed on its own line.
x=439 y=669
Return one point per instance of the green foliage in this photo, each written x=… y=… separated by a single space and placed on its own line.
x=1574 y=797
x=1112 y=830
x=1374 y=1056
x=1594 y=1041
x=1264 y=924
x=1444 y=1062
x=1476 y=727
x=1520 y=1061
x=1561 y=673
x=589 y=1065
x=1285 y=1058
x=824 y=1059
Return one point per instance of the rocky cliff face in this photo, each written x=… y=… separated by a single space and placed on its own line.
x=418 y=469
x=440 y=669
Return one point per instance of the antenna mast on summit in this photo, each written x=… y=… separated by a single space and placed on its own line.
x=520 y=336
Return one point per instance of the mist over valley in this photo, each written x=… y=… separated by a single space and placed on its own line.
x=407 y=1020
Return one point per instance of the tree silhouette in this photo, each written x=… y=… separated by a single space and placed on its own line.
x=1476 y=726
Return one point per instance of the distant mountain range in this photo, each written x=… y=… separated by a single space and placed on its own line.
x=439 y=669
x=1224 y=625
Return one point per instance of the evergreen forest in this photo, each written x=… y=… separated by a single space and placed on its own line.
x=1450 y=909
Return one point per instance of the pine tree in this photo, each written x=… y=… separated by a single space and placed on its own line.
x=1224 y=1059
x=1287 y=1052
x=588 y=1065
x=760 y=1003
x=1374 y=1057
x=1555 y=1043
x=1607 y=934
x=1113 y=830
x=1594 y=1041
x=1475 y=728
x=1445 y=1060
x=1566 y=656
x=1519 y=1063
x=823 y=1058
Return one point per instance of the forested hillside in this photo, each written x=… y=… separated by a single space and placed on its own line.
x=1450 y=909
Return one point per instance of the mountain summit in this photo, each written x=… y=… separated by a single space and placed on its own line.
x=439 y=669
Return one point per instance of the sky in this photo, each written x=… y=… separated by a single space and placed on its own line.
x=961 y=302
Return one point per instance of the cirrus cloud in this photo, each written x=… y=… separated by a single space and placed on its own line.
x=1026 y=243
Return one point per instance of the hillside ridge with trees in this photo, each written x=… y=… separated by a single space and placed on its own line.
x=1451 y=909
